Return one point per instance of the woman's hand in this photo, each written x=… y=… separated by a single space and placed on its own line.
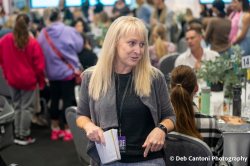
x=154 y=141
x=94 y=133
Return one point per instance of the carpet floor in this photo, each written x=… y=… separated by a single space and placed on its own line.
x=43 y=152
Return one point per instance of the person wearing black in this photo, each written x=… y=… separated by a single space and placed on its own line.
x=98 y=7
x=125 y=92
x=120 y=9
x=87 y=57
x=85 y=9
x=80 y=25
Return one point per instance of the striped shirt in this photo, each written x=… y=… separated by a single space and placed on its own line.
x=208 y=128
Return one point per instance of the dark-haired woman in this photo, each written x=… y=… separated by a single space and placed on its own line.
x=22 y=61
x=87 y=56
x=80 y=26
x=60 y=44
x=189 y=120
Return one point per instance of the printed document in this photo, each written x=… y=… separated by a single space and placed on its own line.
x=110 y=151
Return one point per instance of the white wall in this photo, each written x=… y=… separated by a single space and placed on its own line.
x=175 y=5
x=181 y=5
x=7 y=5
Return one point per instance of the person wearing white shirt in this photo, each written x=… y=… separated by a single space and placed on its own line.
x=195 y=53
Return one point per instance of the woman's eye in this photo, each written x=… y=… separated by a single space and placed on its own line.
x=142 y=44
x=132 y=43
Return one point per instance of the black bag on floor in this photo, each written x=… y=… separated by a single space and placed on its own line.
x=6 y=123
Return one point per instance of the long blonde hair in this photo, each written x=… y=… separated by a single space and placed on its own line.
x=159 y=41
x=103 y=72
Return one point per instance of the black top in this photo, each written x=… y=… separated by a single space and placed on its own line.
x=135 y=119
x=98 y=7
x=87 y=58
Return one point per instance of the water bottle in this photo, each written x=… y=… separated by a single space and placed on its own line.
x=248 y=75
x=237 y=100
x=205 y=100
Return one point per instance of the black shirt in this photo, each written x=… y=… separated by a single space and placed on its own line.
x=135 y=119
x=87 y=58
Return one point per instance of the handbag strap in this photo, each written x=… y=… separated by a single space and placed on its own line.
x=58 y=53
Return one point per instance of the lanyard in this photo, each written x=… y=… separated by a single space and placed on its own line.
x=122 y=103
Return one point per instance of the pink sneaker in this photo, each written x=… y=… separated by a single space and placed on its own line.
x=56 y=134
x=67 y=136
x=61 y=134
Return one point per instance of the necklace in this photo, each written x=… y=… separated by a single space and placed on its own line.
x=120 y=108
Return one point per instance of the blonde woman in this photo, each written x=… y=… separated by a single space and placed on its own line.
x=160 y=45
x=125 y=92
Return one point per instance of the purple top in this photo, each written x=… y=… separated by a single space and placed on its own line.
x=69 y=42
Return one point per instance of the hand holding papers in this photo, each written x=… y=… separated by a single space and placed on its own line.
x=110 y=151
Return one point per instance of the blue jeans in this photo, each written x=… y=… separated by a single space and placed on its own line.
x=154 y=162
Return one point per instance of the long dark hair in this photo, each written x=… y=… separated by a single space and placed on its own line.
x=21 y=32
x=245 y=5
x=183 y=83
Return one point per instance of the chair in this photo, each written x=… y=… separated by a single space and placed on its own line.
x=79 y=138
x=5 y=88
x=183 y=150
x=237 y=144
x=166 y=65
x=6 y=114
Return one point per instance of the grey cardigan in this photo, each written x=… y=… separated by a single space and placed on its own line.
x=103 y=112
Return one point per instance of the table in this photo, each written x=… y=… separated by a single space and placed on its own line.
x=217 y=101
x=236 y=142
x=236 y=137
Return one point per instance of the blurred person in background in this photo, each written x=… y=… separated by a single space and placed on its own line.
x=163 y=15
x=60 y=44
x=67 y=16
x=120 y=9
x=243 y=35
x=204 y=12
x=195 y=54
x=99 y=27
x=143 y=12
x=160 y=45
x=87 y=57
x=8 y=26
x=218 y=29
x=98 y=7
x=187 y=18
x=77 y=13
x=3 y=16
x=22 y=51
x=80 y=25
x=235 y=18
x=85 y=9
x=103 y=25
